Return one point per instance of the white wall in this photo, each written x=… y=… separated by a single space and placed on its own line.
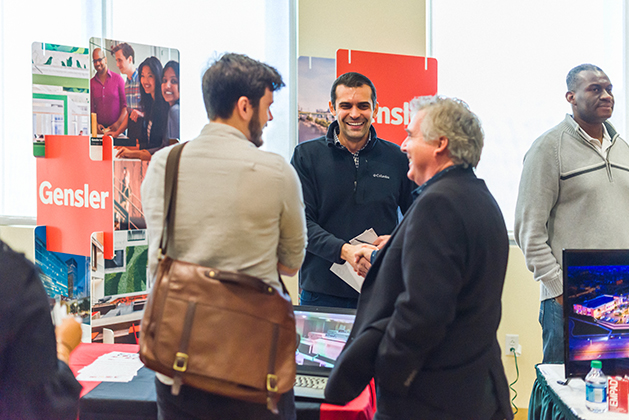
x=20 y=238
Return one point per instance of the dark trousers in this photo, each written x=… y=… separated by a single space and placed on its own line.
x=195 y=404
x=394 y=407
x=307 y=298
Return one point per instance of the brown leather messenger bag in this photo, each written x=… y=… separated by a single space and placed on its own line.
x=223 y=332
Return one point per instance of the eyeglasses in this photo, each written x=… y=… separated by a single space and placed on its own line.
x=98 y=60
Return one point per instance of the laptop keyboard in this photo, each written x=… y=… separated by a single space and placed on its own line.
x=312 y=382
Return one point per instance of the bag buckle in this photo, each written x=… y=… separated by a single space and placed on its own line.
x=181 y=362
x=271 y=382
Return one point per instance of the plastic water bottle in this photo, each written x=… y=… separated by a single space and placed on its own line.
x=596 y=388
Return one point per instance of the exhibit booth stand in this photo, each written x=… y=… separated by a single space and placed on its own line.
x=91 y=241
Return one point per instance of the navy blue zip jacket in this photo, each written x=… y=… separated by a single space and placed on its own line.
x=342 y=201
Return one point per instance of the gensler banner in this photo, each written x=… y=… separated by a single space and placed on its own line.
x=398 y=79
x=75 y=195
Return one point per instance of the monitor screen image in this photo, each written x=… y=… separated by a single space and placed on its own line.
x=323 y=333
x=596 y=310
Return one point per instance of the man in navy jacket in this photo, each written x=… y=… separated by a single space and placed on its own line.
x=352 y=181
x=431 y=303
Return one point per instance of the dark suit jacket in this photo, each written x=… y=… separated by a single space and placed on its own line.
x=431 y=303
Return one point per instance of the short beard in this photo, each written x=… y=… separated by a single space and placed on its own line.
x=255 y=130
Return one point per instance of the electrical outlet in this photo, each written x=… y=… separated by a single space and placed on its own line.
x=512 y=342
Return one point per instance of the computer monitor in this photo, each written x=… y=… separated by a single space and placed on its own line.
x=596 y=310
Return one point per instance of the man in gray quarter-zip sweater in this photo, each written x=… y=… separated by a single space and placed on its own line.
x=574 y=194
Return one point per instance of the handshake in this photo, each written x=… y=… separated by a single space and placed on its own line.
x=360 y=256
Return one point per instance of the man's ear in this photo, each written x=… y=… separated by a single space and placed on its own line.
x=442 y=147
x=244 y=108
x=332 y=110
x=570 y=97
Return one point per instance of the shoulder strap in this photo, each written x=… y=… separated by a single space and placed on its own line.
x=170 y=204
x=170 y=195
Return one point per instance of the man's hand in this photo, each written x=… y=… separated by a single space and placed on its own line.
x=285 y=271
x=114 y=133
x=559 y=299
x=68 y=337
x=353 y=255
x=363 y=261
x=381 y=241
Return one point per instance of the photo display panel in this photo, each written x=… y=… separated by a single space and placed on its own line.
x=99 y=113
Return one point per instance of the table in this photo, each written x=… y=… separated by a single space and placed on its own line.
x=136 y=400
x=552 y=401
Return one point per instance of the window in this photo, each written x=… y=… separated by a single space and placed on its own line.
x=509 y=60
x=203 y=30
x=265 y=30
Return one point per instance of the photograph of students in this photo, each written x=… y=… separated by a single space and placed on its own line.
x=170 y=92
x=154 y=112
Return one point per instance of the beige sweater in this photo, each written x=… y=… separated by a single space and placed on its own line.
x=570 y=197
x=238 y=208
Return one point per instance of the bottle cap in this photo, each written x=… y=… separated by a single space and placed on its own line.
x=596 y=364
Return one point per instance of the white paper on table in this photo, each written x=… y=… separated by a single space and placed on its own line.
x=346 y=271
x=115 y=366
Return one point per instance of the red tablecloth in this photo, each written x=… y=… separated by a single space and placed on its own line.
x=362 y=408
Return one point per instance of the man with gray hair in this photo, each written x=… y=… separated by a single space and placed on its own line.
x=430 y=305
x=574 y=193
